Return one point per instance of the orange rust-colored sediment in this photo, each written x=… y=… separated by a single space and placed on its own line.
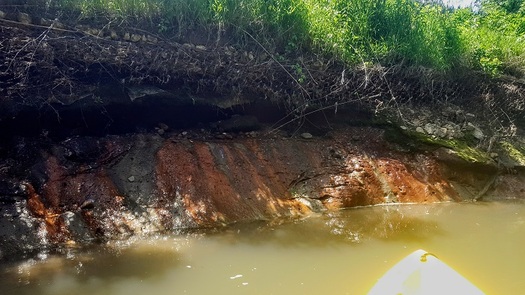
x=222 y=182
x=53 y=224
x=247 y=179
x=81 y=189
x=199 y=182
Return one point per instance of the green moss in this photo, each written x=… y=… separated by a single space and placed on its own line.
x=515 y=152
x=463 y=150
x=420 y=141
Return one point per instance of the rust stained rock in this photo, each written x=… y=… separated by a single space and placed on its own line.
x=358 y=185
x=66 y=191
x=247 y=179
x=184 y=183
x=51 y=223
x=70 y=191
x=223 y=182
x=404 y=185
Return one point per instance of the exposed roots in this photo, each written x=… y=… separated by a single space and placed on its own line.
x=45 y=65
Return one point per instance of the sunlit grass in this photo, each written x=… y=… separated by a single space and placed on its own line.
x=355 y=31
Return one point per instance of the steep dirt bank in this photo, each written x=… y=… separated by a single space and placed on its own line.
x=112 y=132
x=87 y=189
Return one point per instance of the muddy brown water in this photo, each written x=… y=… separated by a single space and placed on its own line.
x=341 y=252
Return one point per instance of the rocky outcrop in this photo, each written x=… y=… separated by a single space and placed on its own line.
x=90 y=189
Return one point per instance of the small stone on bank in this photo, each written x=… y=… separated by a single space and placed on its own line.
x=131 y=178
x=223 y=135
x=306 y=135
x=478 y=134
x=88 y=204
x=24 y=18
x=430 y=128
x=164 y=126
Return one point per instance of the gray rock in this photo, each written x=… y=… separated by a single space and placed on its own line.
x=163 y=126
x=21 y=233
x=420 y=130
x=136 y=37
x=2 y=14
x=448 y=112
x=139 y=162
x=76 y=225
x=430 y=128
x=478 y=134
x=152 y=39
x=470 y=127
x=451 y=133
x=306 y=135
x=441 y=132
x=24 y=18
x=450 y=126
x=142 y=91
x=476 y=131
x=460 y=115
x=224 y=135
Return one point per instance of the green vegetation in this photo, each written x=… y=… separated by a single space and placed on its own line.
x=490 y=37
x=413 y=140
x=462 y=149
x=514 y=151
x=386 y=31
x=495 y=37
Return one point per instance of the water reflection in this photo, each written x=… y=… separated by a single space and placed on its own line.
x=93 y=267
x=340 y=252
x=351 y=226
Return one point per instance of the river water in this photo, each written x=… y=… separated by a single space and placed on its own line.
x=342 y=252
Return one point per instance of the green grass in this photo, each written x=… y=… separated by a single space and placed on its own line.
x=355 y=31
x=494 y=39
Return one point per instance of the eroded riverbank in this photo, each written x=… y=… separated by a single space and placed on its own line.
x=84 y=190
x=108 y=134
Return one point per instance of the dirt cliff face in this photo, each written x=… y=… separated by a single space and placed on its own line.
x=87 y=189
x=192 y=147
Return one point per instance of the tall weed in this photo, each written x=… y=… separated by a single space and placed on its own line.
x=355 y=31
